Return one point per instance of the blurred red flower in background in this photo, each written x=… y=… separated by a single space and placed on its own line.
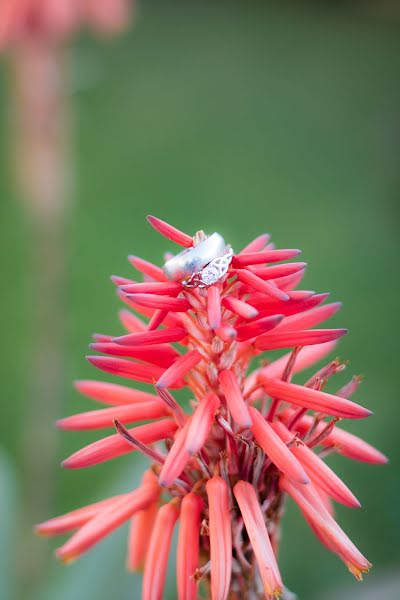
x=57 y=19
x=251 y=439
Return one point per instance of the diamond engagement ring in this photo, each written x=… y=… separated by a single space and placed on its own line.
x=201 y=266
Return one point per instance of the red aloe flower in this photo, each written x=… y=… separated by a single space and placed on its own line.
x=56 y=19
x=224 y=468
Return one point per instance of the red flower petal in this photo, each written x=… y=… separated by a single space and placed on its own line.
x=114 y=445
x=188 y=546
x=111 y=393
x=313 y=399
x=234 y=399
x=275 y=449
x=175 y=334
x=214 y=306
x=183 y=239
x=266 y=256
x=220 y=537
x=127 y=368
x=260 y=285
x=158 y=552
x=107 y=521
x=258 y=535
x=175 y=373
x=97 y=419
x=169 y=303
x=289 y=339
x=200 y=423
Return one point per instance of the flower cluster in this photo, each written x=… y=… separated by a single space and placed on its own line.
x=251 y=439
x=20 y=19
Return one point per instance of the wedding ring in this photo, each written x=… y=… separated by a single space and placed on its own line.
x=191 y=261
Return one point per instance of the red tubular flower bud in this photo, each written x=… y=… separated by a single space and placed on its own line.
x=275 y=449
x=106 y=521
x=173 y=234
x=220 y=537
x=175 y=334
x=256 y=328
x=114 y=445
x=313 y=399
x=127 y=368
x=273 y=341
x=234 y=398
x=258 y=284
x=167 y=288
x=309 y=318
x=214 y=306
x=320 y=474
x=141 y=528
x=111 y=393
x=259 y=538
x=239 y=307
x=201 y=422
x=188 y=546
x=177 y=458
x=169 y=303
x=174 y=374
x=159 y=354
x=157 y=556
x=97 y=419
x=266 y=256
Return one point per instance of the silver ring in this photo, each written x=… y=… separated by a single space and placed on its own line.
x=193 y=260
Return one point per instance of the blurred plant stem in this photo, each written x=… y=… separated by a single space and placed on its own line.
x=40 y=117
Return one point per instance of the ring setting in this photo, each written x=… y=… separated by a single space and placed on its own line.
x=203 y=265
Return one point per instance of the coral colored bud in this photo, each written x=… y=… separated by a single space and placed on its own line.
x=106 y=521
x=147 y=268
x=114 y=445
x=258 y=535
x=329 y=531
x=97 y=419
x=175 y=373
x=260 y=285
x=239 y=307
x=126 y=368
x=201 y=422
x=188 y=546
x=177 y=458
x=220 y=537
x=273 y=341
x=234 y=398
x=313 y=399
x=167 y=288
x=111 y=393
x=140 y=529
x=132 y=323
x=256 y=245
x=159 y=336
x=157 y=556
x=320 y=474
x=169 y=303
x=255 y=328
x=307 y=357
x=161 y=355
x=275 y=449
x=266 y=256
x=278 y=271
x=76 y=518
x=345 y=443
x=173 y=234
x=309 y=318
x=214 y=306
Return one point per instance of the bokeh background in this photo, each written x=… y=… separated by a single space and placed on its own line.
x=241 y=117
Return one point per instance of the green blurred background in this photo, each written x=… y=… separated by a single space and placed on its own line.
x=241 y=117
